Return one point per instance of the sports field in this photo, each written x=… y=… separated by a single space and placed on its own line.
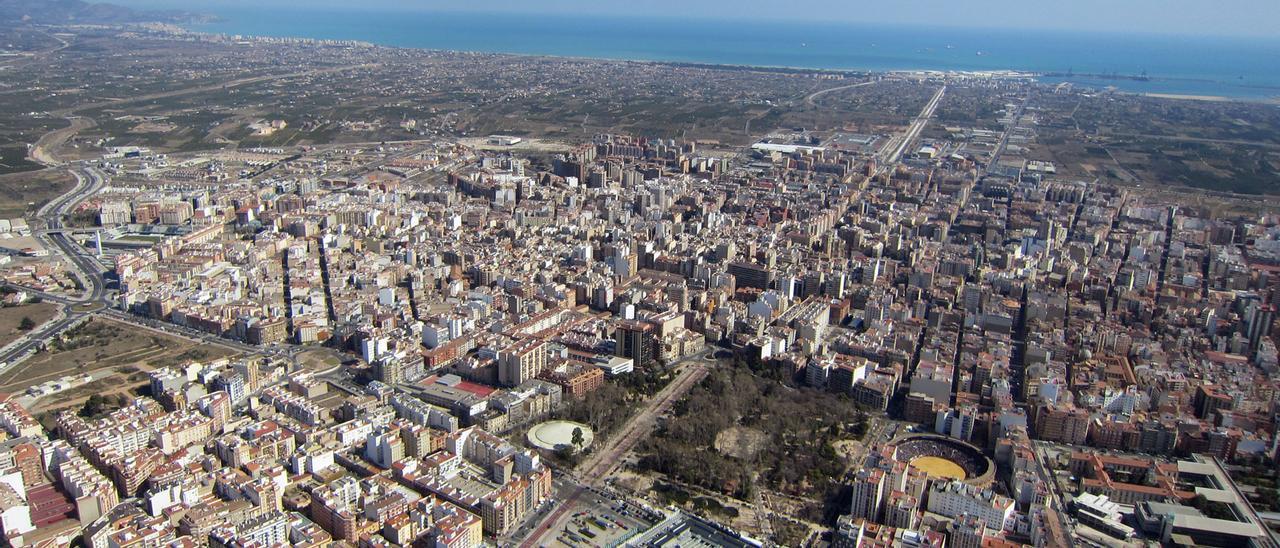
x=939 y=467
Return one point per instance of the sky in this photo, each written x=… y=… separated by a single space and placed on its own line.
x=1238 y=18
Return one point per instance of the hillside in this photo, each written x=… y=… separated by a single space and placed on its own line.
x=61 y=12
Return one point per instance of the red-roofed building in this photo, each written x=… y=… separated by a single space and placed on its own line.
x=49 y=505
x=477 y=389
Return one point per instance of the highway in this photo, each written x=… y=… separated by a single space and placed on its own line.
x=33 y=341
x=813 y=96
x=1004 y=138
x=87 y=266
x=88 y=182
x=96 y=300
x=59 y=204
x=916 y=127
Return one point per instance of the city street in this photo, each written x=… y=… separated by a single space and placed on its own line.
x=606 y=458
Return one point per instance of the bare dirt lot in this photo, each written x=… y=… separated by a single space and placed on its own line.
x=318 y=359
x=22 y=192
x=740 y=442
x=11 y=318
x=104 y=344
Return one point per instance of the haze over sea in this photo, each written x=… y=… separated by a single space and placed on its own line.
x=1244 y=68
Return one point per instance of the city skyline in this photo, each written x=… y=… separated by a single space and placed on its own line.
x=309 y=277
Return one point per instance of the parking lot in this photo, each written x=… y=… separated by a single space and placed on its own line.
x=601 y=517
x=601 y=525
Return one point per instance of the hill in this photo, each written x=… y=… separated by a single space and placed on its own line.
x=62 y=12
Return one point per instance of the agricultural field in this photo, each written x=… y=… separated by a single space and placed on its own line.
x=1142 y=141
x=13 y=159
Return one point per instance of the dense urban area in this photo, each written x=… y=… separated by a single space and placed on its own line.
x=277 y=292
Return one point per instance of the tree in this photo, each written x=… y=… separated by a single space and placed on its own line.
x=27 y=324
x=568 y=456
x=577 y=437
x=95 y=406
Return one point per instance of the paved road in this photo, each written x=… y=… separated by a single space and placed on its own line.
x=812 y=96
x=43 y=149
x=377 y=164
x=33 y=341
x=917 y=126
x=209 y=87
x=88 y=182
x=608 y=457
x=1055 y=497
x=1004 y=137
x=89 y=269
x=58 y=206
x=95 y=301
x=604 y=462
x=174 y=330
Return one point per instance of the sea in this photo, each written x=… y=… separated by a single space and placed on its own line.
x=1238 y=68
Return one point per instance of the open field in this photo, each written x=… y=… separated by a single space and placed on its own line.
x=22 y=192
x=318 y=359
x=184 y=97
x=740 y=442
x=174 y=96
x=11 y=317
x=112 y=385
x=104 y=344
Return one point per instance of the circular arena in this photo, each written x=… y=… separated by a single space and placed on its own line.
x=554 y=435
x=945 y=458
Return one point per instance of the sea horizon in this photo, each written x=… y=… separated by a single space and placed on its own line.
x=1231 y=67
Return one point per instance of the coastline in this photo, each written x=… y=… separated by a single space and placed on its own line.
x=1131 y=64
x=1010 y=74
x=1188 y=97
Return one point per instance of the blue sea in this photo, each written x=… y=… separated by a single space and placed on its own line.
x=1231 y=67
